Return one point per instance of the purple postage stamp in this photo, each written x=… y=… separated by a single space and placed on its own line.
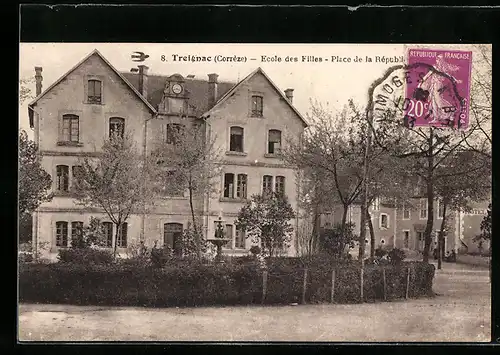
x=438 y=88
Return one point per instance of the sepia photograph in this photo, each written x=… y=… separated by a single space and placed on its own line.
x=228 y=192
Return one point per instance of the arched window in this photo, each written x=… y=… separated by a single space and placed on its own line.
x=172 y=237
x=236 y=139
x=274 y=141
x=94 y=91
x=116 y=127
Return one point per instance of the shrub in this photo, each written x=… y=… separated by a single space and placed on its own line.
x=191 y=283
x=85 y=256
x=380 y=252
x=25 y=257
x=335 y=241
x=396 y=256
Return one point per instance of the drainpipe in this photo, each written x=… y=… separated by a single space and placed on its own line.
x=207 y=195
x=144 y=148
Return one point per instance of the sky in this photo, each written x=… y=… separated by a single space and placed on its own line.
x=334 y=80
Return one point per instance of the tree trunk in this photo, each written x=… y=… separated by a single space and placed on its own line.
x=430 y=198
x=316 y=228
x=195 y=227
x=441 y=237
x=117 y=235
x=372 y=234
x=343 y=226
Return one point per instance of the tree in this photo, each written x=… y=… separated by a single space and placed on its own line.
x=118 y=181
x=463 y=178
x=188 y=159
x=481 y=101
x=485 y=234
x=266 y=218
x=34 y=181
x=25 y=92
x=327 y=154
x=331 y=154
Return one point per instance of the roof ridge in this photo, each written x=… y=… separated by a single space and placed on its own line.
x=185 y=77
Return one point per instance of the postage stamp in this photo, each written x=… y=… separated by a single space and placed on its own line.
x=438 y=88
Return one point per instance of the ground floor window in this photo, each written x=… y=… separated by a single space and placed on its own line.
x=122 y=238
x=406 y=239
x=62 y=234
x=239 y=240
x=108 y=233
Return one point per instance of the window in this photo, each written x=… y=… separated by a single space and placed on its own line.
x=274 y=142
x=62 y=234
x=267 y=184
x=406 y=212
x=236 y=139
x=229 y=235
x=420 y=236
x=174 y=132
x=440 y=209
x=172 y=237
x=108 y=233
x=94 y=91
x=116 y=127
x=70 y=128
x=376 y=204
x=406 y=239
x=384 y=220
x=280 y=185
x=76 y=230
x=241 y=186
x=62 y=181
x=122 y=238
x=229 y=185
x=239 y=240
x=423 y=208
x=257 y=106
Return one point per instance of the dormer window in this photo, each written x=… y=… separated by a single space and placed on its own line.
x=94 y=90
x=257 y=106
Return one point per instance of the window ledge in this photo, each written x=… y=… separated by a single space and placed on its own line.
x=231 y=199
x=241 y=154
x=273 y=155
x=163 y=198
x=93 y=103
x=70 y=144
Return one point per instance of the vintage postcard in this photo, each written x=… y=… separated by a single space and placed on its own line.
x=255 y=192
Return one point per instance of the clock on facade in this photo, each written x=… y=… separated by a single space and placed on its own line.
x=176 y=89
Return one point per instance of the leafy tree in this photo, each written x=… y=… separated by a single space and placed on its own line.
x=485 y=234
x=34 y=181
x=189 y=160
x=25 y=91
x=266 y=218
x=118 y=181
x=463 y=178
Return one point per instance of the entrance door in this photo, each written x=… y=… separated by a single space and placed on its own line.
x=172 y=237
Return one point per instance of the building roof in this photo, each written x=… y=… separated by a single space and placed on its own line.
x=94 y=52
x=197 y=90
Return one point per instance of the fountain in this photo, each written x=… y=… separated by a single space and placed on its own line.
x=219 y=240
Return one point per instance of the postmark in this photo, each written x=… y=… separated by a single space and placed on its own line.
x=431 y=90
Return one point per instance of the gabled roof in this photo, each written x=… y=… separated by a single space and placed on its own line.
x=197 y=90
x=94 y=52
x=247 y=78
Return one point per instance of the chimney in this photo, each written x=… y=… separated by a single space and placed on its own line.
x=289 y=95
x=212 y=89
x=143 y=80
x=38 y=79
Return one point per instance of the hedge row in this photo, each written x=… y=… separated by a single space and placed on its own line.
x=226 y=284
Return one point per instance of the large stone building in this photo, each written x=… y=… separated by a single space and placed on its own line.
x=72 y=118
